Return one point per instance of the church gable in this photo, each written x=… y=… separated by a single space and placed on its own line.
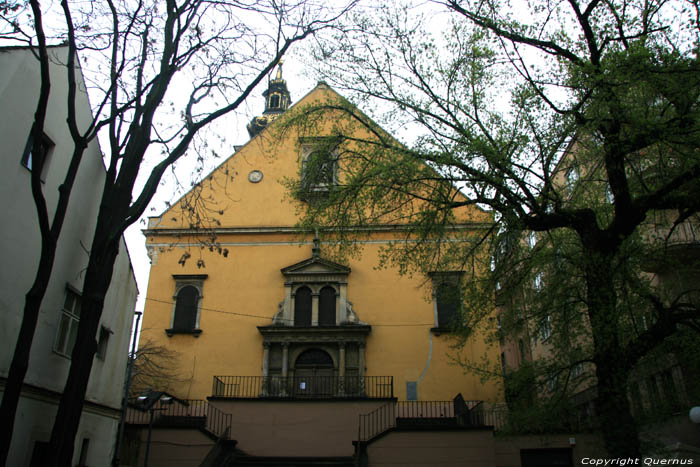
x=248 y=189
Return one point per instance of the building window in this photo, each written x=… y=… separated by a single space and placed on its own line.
x=302 y=307
x=531 y=240
x=537 y=282
x=102 y=342
x=571 y=178
x=68 y=327
x=40 y=454
x=653 y=390
x=319 y=166
x=447 y=295
x=32 y=155
x=670 y=392
x=187 y=304
x=546 y=328
x=609 y=195
x=186 y=309
x=82 y=460
x=636 y=399
x=551 y=383
x=326 y=306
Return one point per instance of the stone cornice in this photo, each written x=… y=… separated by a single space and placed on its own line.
x=54 y=397
x=296 y=230
x=315 y=334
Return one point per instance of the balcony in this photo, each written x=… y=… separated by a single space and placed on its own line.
x=198 y=414
x=307 y=387
x=429 y=415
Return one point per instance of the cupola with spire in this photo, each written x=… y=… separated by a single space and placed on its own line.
x=277 y=100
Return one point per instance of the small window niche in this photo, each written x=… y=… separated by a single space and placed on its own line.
x=319 y=167
x=103 y=342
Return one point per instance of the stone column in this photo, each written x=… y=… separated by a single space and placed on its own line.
x=341 y=368
x=265 y=368
x=266 y=359
x=342 y=308
x=361 y=363
x=285 y=367
x=285 y=359
x=288 y=313
x=314 y=308
x=361 y=349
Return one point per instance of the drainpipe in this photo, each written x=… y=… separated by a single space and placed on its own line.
x=127 y=388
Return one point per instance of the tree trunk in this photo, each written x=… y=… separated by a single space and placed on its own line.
x=618 y=427
x=33 y=299
x=620 y=432
x=97 y=280
x=20 y=359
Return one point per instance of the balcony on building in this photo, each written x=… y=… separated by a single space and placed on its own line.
x=309 y=387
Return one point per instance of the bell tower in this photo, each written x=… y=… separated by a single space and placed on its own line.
x=277 y=100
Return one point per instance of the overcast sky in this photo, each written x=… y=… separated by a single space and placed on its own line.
x=233 y=128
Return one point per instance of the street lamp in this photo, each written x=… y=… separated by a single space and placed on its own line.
x=163 y=400
x=694 y=414
x=127 y=388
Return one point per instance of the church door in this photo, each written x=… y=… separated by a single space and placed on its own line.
x=314 y=375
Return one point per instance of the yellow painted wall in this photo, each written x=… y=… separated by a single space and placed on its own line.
x=243 y=290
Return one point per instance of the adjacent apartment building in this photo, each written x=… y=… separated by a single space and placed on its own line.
x=19 y=249
x=663 y=385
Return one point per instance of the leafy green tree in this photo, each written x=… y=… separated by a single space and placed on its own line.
x=160 y=73
x=578 y=121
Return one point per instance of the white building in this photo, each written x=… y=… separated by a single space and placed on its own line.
x=20 y=249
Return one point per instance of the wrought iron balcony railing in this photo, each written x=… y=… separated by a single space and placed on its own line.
x=304 y=387
x=183 y=414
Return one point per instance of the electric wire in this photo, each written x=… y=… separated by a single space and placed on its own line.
x=248 y=315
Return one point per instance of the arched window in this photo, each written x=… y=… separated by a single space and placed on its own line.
x=302 y=307
x=326 y=306
x=186 y=309
x=275 y=101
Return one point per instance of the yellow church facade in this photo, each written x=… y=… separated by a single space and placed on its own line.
x=254 y=309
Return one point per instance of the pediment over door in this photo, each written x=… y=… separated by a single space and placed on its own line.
x=316 y=269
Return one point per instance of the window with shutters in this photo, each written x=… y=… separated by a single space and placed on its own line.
x=187 y=304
